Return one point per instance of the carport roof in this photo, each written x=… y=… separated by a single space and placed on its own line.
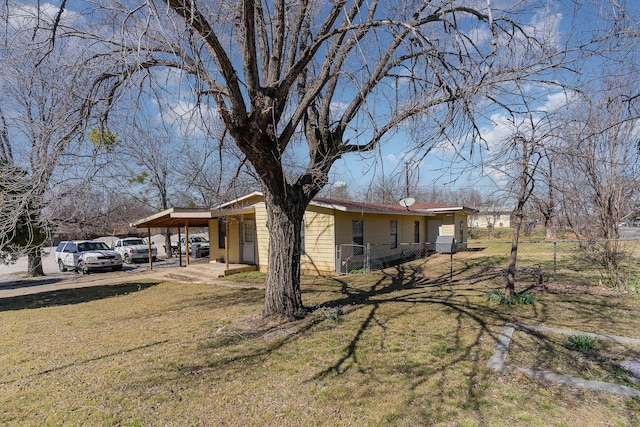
x=191 y=217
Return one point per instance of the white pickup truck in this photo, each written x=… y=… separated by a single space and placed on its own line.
x=134 y=249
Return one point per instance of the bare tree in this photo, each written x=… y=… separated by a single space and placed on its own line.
x=601 y=180
x=344 y=73
x=545 y=199
x=98 y=211
x=43 y=111
x=387 y=190
x=163 y=156
x=518 y=158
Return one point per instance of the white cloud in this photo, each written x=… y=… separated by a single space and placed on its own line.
x=25 y=16
x=557 y=101
x=393 y=159
x=495 y=133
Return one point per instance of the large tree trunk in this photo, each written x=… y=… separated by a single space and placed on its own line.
x=167 y=242
x=550 y=227
x=283 y=297
x=34 y=268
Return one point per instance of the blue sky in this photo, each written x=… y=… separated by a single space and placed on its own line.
x=442 y=165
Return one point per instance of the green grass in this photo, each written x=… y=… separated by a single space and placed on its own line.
x=406 y=347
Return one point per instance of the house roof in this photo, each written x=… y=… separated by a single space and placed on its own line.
x=176 y=217
x=416 y=208
x=199 y=217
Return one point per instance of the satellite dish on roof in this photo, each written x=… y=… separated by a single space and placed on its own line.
x=406 y=202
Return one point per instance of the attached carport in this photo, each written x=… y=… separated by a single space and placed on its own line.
x=175 y=218
x=188 y=217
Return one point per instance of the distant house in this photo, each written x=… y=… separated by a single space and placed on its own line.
x=238 y=232
x=498 y=218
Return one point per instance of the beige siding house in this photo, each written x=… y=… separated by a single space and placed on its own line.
x=238 y=232
x=484 y=219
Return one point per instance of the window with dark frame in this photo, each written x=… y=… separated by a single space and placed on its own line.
x=249 y=232
x=357 y=229
x=393 y=234
x=222 y=233
x=416 y=232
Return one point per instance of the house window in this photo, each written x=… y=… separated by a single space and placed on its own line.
x=357 y=229
x=393 y=234
x=222 y=233
x=461 y=231
x=302 y=242
x=416 y=232
x=248 y=232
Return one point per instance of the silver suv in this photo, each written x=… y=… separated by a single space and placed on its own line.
x=85 y=256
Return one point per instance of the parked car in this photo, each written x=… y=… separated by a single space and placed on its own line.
x=85 y=256
x=198 y=246
x=134 y=249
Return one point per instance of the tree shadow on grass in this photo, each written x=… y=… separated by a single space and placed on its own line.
x=29 y=282
x=72 y=296
x=458 y=353
x=407 y=285
x=474 y=320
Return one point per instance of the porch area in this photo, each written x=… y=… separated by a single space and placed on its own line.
x=202 y=271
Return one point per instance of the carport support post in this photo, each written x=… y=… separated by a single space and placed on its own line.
x=186 y=240
x=179 y=250
x=149 y=248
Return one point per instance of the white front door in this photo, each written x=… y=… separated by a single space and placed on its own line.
x=248 y=241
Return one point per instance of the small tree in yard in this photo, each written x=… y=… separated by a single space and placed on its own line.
x=602 y=176
x=518 y=158
x=25 y=235
x=339 y=75
x=42 y=111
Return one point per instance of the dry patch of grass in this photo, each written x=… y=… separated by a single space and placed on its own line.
x=408 y=347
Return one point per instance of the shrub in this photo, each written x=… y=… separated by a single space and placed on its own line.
x=495 y=296
x=498 y=296
x=581 y=342
x=334 y=315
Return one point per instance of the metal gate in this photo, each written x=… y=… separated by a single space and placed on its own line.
x=352 y=258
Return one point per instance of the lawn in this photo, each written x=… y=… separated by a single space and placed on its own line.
x=405 y=347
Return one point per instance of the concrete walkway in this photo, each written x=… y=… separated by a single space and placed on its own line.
x=501 y=349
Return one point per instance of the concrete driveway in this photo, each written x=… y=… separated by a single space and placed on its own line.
x=14 y=283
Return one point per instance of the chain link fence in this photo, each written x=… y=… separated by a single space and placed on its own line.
x=564 y=260
x=352 y=258
x=543 y=260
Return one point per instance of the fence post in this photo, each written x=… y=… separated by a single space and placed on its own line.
x=367 y=259
x=555 y=262
x=338 y=258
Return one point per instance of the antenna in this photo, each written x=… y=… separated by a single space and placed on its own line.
x=407 y=202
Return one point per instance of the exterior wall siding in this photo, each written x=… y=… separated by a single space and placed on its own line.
x=482 y=220
x=377 y=228
x=326 y=228
x=214 y=252
x=233 y=240
x=319 y=242
x=262 y=236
